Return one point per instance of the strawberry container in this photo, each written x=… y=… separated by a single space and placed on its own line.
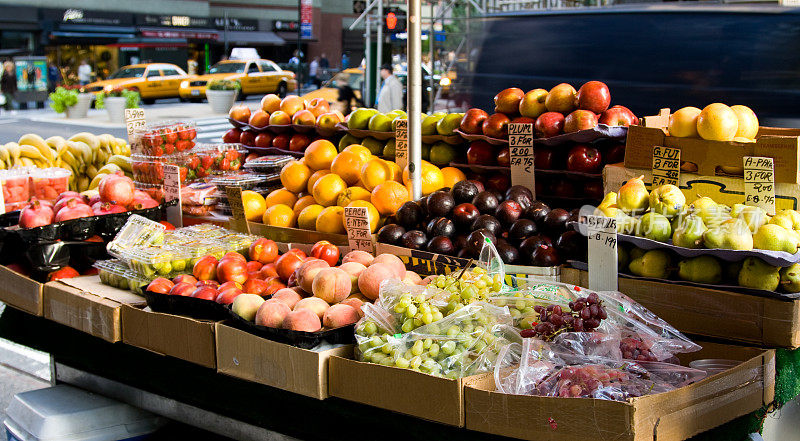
x=217 y=159
x=150 y=169
x=47 y=183
x=155 y=191
x=165 y=138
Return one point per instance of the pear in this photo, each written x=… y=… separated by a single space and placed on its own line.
x=753 y=216
x=636 y=253
x=627 y=224
x=632 y=197
x=712 y=213
x=667 y=200
x=783 y=219
x=701 y=269
x=690 y=233
x=795 y=218
x=757 y=274
x=655 y=226
x=677 y=220
x=790 y=278
x=622 y=257
x=733 y=234
x=608 y=206
x=653 y=264
x=775 y=238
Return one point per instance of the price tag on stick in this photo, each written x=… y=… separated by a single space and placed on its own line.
x=237 y=206
x=759 y=183
x=359 y=234
x=520 y=147
x=666 y=166
x=172 y=192
x=134 y=119
x=602 y=236
x=401 y=143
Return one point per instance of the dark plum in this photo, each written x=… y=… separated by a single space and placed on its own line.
x=521 y=229
x=477 y=238
x=537 y=212
x=464 y=215
x=508 y=212
x=508 y=253
x=521 y=195
x=415 y=240
x=572 y=245
x=441 y=226
x=410 y=215
x=441 y=245
x=391 y=234
x=488 y=222
x=440 y=203
x=486 y=202
x=555 y=222
x=464 y=191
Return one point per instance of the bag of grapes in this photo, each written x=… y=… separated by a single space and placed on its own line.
x=520 y=368
x=376 y=335
x=411 y=306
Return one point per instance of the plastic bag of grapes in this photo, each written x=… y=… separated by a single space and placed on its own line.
x=411 y=306
x=376 y=335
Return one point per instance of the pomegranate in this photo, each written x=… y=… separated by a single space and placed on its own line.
x=73 y=210
x=140 y=194
x=60 y=204
x=143 y=203
x=105 y=208
x=94 y=199
x=116 y=188
x=67 y=272
x=35 y=214
x=69 y=194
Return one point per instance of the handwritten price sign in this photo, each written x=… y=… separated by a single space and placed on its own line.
x=666 y=166
x=172 y=192
x=401 y=143
x=359 y=233
x=602 y=236
x=759 y=183
x=520 y=148
x=134 y=119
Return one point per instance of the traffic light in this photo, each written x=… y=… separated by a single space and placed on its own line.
x=394 y=21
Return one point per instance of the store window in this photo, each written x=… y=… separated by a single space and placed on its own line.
x=16 y=40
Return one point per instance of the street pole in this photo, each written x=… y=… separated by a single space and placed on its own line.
x=414 y=50
x=430 y=57
x=368 y=62
x=379 y=49
x=299 y=30
x=225 y=32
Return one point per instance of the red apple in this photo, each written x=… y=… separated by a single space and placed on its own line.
x=205 y=293
x=593 y=96
x=268 y=271
x=618 y=116
x=212 y=283
x=318 y=106
x=205 y=268
x=160 y=285
x=226 y=296
x=263 y=140
x=583 y=158
x=248 y=138
x=543 y=158
x=532 y=104
x=504 y=157
x=549 y=124
x=496 y=126
x=227 y=285
x=614 y=154
x=523 y=120
x=182 y=289
x=593 y=189
x=472 y=123
x=188 y=278
x=259 y=119
x=580 y=120
x=254 y=266
x=480 y=152
x=232 y=136
x=231 y=270
x=263 y=250
x=507 y=101
x=239 y=113
x=299 y=142
x=287 y=263
x=255 y=286
x=563 y=188
x=561 y=98
x=282 y=141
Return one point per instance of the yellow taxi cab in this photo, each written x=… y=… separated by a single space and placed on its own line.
x=255 y=76
x=154 y=80
x=353 y=77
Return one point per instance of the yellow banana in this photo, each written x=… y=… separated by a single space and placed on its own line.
x=2 y=165
x=13 y=150
x=40 y=144
x=101 y=157
x=5 y=157
x=123 y=162
x=86 y=138
x=29 y=151
x=26 y=162
x=110 y=168
x=81 y=151
x=91 y=171
x=83 y=183
x=96 y=181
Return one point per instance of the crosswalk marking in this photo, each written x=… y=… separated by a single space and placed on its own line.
x=211 y=129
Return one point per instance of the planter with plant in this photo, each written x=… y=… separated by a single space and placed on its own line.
x=222 y=94
x=74 y=102
x=115 y=101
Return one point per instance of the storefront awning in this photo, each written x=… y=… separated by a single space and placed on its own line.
x=71 y=34
x=254 y=37
x=188 y=34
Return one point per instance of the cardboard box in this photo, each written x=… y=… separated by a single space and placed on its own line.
x=783 y=145
x=87 y=305
x=727 y=315
x=20 y=291
x=287 y=235
x=722 y=189
x=244 y=355
x=174 y=335
x=400 y=390
x=673 y=415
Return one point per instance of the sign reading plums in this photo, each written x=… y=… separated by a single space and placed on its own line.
x=134 y=119
x=520 y=149
x=602 y=234
x=172 y=192
x=359 y=233
x=666 y=166
x=759 y=183
x=401 y=143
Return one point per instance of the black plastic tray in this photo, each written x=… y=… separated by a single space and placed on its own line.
x=200 y=309
x=301 y=339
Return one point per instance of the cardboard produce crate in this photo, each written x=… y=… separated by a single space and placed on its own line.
x=286 y=235
x=721 y=314
x=673 y=415
x=21 y=291
x=87 y=305
x=244 y=355
x=174 y=335
x=400 y=390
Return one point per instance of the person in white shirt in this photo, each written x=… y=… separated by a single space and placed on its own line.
x=390 y=96
x=84 y=73
x=313 y=72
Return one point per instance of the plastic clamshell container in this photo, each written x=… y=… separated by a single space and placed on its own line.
x=237 y=242
x=155 y=191
x=65 y=413
x=137 y=231
x=113 y=273
x=47 y=183
x=199 y=248
x=157 y=261
x=269 y=163
x=16 y=189
x=218 y=158
x=202 y=231
x=150 y=169
x=244 y=180
x=713 y=366
x=165 y=138
x=136 y=281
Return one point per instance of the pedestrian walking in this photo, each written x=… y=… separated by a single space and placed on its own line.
x=313 y=72
x=191 y=66
x=390 y=97
x=345 y=61
x=323 y=62
x=84 y=73
x=8 y=84
x=53 y=77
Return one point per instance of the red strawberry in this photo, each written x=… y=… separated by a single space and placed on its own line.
x=169 y=148
x=207 y=161
x=155 y=141
x=183 y=145
x=194 y=162
x=231 y=154
x=158 y=151
x=226 y=164
x=171 y=137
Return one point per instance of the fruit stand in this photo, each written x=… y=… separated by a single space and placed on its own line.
x=290 y=270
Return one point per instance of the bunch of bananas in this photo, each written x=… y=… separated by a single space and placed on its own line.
x=88 y=156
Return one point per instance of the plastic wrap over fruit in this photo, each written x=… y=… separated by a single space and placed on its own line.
x=411 y=306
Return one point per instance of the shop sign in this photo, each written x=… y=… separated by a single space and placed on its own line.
x=236 y=24
x=286 y=26
x=173 y=21
x=83 y=16
x=189 y=35
x=306 y=18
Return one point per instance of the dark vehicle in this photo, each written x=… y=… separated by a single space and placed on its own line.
x=650 y=56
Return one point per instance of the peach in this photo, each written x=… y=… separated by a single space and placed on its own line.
x=288 y=296
x=271 y=313
x=369 y=282
x=314 y=304
x=354 y=269
x=332 y=285
x=255 y=286
x=359 y=296
x=246 y=306
x=354 y=302
x=339 y=315
x=307 y=270
x=412 y=278
x=302 y=320
x=361 y=257
x=394 y=262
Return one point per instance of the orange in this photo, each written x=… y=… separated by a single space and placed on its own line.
x=302 y=203
x=307 y=219
x=294 y=176
x=331 y=220
x=313 y=179
x=717 y=122
x=348 y=166
x=431 y=177
x=281 y=196
x=451 y=176
x=320 y=154
x=373 y=215
x=327 y=189
x=389 y=196
x=396 y=172
x=353 y=194
x=279 y=215
x=254 y=205
x=360 y=150
x=376 y=171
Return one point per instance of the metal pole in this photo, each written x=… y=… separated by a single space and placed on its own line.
x=379 y=49
x=299 y=31
x=368 y=62
x=414 y=50
x=225 y=32
x=431 y=58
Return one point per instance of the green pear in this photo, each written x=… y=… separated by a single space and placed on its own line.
x=677 y=220
x=776 y=238
x=790 y=278
x=608 y=206
x=389 y=149
x=429 y=123
x=713 y=214
x=380 y=122
x=783 y=219
x=623 y=257
x=690 y=233
x=375 y=146
x=733 y=234
x=348 y=140
x=667 y=200
x=655 y=226
x=653 y=264
x=730 y=272
x=359 y=119
x=399 y=112
x=636 y=253
x=701 y=269
x=753 y=216
x=632 y=197
x=627 y=224
x=795 y=218
x=757 y=274
x=450 y=122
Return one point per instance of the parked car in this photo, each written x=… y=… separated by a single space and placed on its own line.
x=255 y=76
x=155 y=80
